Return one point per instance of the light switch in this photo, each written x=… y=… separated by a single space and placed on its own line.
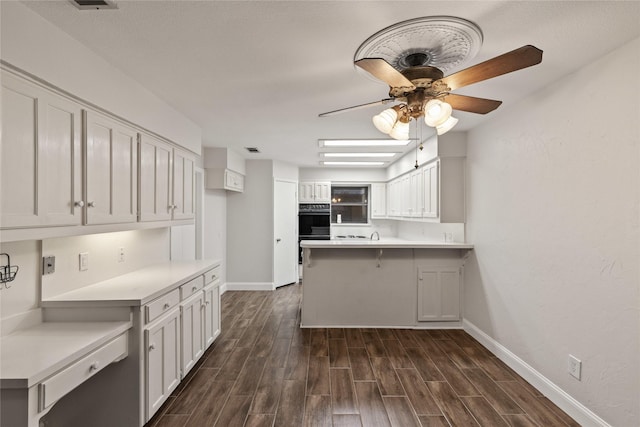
x=84 y=261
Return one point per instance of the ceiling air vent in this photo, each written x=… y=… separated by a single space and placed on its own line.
x=94 y=4
x=252 y=149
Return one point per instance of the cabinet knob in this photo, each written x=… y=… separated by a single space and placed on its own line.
x=79 y=203
x=193 y=289
x=207 y=302
x=166 y=305
x=91 y=204
x=152 y=346
x=94 y=366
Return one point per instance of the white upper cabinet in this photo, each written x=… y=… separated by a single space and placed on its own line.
x=378 y=200
x=429 y=191
x=184 y=204
x=41 y=157
x=314 y=192
x=112 y=170
x=225 y=169
x=155 y=199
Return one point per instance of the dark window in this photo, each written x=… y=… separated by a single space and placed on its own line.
x=351 y=203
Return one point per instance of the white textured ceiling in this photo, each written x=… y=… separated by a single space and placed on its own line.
x=258 y=73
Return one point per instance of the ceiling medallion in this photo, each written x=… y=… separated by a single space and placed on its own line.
x=444 y=42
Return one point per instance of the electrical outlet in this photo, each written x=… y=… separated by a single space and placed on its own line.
x=84 y=261
x=120 y=254
x=48 y=265
x=575 y=367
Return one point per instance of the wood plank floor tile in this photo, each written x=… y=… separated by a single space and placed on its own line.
x=371 y=405
x=338 y=353
x=318 y=376
x=297 y=363
x=343 y=394
x=291 y=406
x=433 y=421
x=260 y=420
x=210 y=407
x=397 y=354
x=399 y=411
x=387 y=379
x=234 y=413
x=492 y=392
x=346 y=421
x=267 y=395
x=187 y=401
x=452 y=407
x=483 y=412
x=353 y=337
x=419 y=395
x=317 y=412
x=531 y=404
x=360 y=364
x=264 y=370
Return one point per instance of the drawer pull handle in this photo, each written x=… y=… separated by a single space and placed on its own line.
x=193 y=289
x=152 y=346
x=94 y=366
x=166 y=305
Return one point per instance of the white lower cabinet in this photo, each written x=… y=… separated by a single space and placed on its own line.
x=192 y=322
x=439 y=294
x=211 y=307
x=162 y=360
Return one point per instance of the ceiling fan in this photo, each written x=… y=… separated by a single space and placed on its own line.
x=423 y=90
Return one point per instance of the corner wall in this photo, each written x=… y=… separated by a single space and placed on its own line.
x=553 y=211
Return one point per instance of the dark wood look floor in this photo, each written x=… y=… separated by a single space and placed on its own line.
x=263 y=370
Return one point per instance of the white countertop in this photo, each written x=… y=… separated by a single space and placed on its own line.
x=136 y=288
x=383 y=243
x=30 y=355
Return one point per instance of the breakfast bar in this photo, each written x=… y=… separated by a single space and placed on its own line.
x=391 y=283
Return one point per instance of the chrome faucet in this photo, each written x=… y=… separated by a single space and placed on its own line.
x=375 y=233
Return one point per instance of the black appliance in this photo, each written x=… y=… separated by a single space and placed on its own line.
x=314 y=222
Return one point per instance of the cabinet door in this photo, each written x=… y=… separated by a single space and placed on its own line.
x=183 y=185
x=438 y=294
x=415 y=193
x=395 y=198
x=406 y=196
x=162 y=373
x=155 y=179
x=41 y=157
x=322 y=192
x=306 y=192
x=430 y=189
x=378 y=200
x=112 y=170
x=211 y=313
x=191 y=321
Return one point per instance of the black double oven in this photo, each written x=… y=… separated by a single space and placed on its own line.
x=314 y=221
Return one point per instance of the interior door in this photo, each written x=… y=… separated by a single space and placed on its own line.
x=285 y=252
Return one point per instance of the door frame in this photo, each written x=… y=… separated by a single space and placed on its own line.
x=295 y=223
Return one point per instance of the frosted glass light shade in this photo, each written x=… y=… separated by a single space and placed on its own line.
x=400 y=131
x=436 y=112
x=446 y=126
x=385 y=120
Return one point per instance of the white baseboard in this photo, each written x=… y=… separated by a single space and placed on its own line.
x=247 y=286
x=562 y=399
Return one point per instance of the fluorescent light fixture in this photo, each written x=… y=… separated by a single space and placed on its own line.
x=349 y=163
x=359 y=154
x=362 y=142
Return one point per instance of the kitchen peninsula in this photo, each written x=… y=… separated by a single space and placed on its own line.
x=391 y=283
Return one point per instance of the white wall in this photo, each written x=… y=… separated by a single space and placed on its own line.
x=553 y=196
x=351 y=174
x=34 y=45
x=250 y=226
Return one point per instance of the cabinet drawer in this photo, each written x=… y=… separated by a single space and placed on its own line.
x=63 y=382
x=191 y=287
x=212 y=275
x=161 y=305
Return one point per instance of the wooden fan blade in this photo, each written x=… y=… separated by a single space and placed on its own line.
x=524 y=57
x=471 y=104
x=357 y=107
x=382 y=70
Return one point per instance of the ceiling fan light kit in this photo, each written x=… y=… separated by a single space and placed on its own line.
x=412 y=58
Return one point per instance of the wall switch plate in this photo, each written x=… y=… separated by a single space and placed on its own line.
x=120 y=254
x=48 y=265
x=84 y=261
x=575 y=367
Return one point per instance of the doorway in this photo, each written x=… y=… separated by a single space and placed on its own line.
x=285 y=245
